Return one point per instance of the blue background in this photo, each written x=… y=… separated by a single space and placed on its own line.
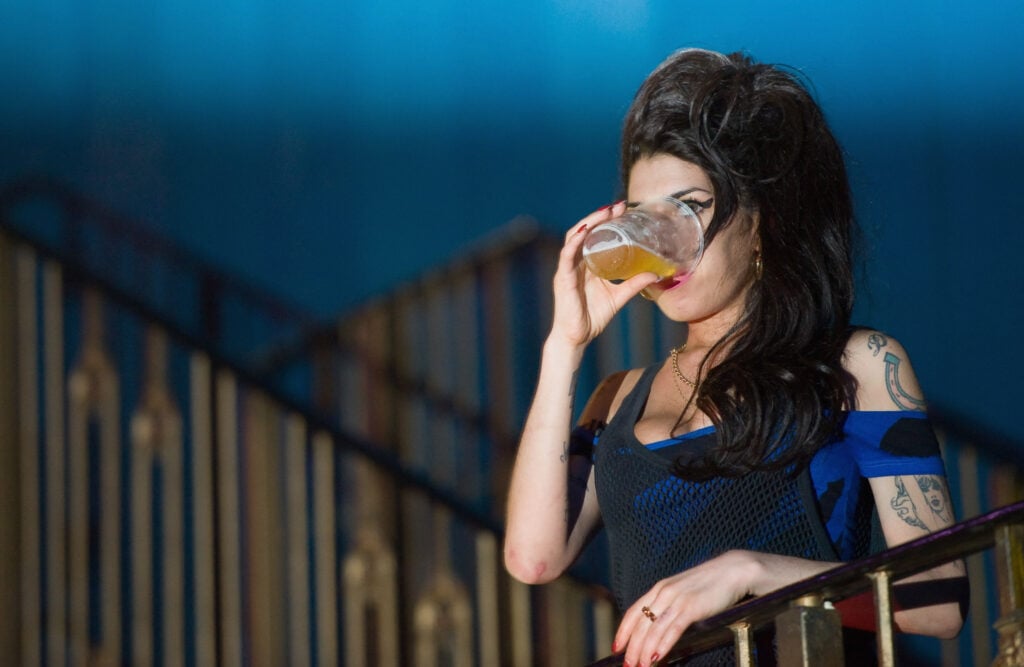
x=330 y=151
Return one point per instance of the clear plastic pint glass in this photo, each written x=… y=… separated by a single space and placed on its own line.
x=662 y=236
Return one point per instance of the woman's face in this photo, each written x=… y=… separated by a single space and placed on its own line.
x=717 y=289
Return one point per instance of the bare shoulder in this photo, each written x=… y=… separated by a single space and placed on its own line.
x=885 y=377
x=608 y=396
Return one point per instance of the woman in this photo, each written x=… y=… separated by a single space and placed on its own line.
x=734 y=466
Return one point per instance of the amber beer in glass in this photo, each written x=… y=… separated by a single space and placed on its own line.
x=663 y=236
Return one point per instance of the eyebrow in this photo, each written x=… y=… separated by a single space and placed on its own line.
x=675 y=195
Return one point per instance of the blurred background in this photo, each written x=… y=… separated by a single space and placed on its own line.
x=333 y=156
x=330 y=150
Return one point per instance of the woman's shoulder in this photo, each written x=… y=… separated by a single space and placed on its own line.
x=609 y=394
x=884 y=375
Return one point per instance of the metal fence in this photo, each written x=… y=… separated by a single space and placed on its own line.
x=336 y=499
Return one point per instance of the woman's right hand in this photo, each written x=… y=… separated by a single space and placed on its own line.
x=585 y=303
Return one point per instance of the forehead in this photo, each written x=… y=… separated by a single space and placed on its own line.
x=663 y=174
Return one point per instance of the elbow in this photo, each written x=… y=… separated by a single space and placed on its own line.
x=951 y=623
x=939 y=621
x=945 y=619
x=527 y=568
x=946 y=625
x=952 y=632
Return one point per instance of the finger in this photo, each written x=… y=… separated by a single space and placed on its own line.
x=624 y=633
x=639 y=646
x=569 y=255
x=662 y=636
x=639 y=282
x=574 y=237
x=633 y=629
x=629 y=288
x=596 y=217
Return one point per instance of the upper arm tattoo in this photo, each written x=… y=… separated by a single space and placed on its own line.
x=904 y=506
x=897 y=393
x=933 y=489
x=876 y=342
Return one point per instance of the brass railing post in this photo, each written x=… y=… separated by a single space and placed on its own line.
x=743 y=643
x=809 y=633
x=883 y=614
x=1009 y=556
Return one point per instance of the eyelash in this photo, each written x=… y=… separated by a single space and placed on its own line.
x=699 y=206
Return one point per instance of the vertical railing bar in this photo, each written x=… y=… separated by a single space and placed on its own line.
x=500 y=376
x=604 y=624
x=204 y=610
x=488 y=618
x=28 y=405
x=326 y=561
x=389 y=617
x=577 y=631
x=230 y=562
x=259 y=501
x=111 y=519
x=519 y=613
x=53 y=370
x=882 y=582
x=142 y=547
x=462 y=618
x=743 y=644
x=555 y=600
x=155 y=442
x=298 y=556
x=78 y=418
x=1009 y=564
x=971 y=505
x=174 y=548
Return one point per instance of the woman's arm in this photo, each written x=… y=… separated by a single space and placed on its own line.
x=909 y=506
x=552 y=507
x=547 y=525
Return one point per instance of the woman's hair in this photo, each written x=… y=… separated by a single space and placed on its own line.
x=779 y=392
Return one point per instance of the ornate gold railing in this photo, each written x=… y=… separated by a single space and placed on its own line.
x=169 y=505
x=175 y=494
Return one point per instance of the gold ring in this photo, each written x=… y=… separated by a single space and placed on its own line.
x=649 y=614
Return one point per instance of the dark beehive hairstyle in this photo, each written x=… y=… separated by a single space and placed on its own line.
x=778 y=392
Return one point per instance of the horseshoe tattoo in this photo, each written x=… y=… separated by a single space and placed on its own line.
x=897 y=393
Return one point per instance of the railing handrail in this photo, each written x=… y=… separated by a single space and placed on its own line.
x=518 y=234
x=514 y=235
x=956 y=541
x=147 y=241
x=380 y=456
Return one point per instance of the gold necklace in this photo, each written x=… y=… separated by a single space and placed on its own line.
x=678 y=373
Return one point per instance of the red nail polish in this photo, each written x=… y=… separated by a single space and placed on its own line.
x=615 y=647
x=655 y=658
x=582 y=229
